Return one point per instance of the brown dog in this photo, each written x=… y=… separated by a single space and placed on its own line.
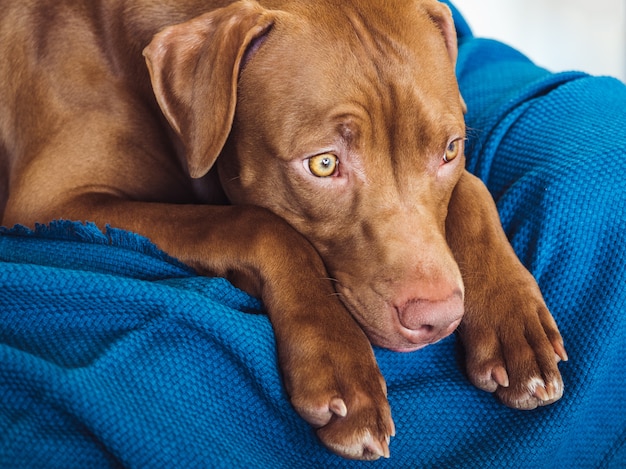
x=334 y=129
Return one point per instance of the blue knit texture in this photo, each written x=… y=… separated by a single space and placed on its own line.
x=113 y=354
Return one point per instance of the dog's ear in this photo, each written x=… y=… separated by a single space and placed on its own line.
x=441 y=15
x=194 y=68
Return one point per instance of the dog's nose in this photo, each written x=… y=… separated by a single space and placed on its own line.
x=431 y=320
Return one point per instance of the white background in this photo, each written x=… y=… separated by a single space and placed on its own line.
x=587 y=35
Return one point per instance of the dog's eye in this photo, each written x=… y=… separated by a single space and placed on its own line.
x=452 y=151
x=324 y=165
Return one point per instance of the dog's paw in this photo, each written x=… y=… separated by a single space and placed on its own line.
x=360 y=426
x=513 y=347
x=342 y=394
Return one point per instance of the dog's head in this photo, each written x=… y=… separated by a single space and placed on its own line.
x=345 y=119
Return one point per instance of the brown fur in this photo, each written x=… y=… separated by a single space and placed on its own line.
x=235 y=99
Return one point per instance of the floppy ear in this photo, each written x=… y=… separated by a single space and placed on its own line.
x=442 y=17
x=194 y=67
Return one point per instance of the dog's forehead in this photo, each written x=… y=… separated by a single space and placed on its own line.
x=351 y=42
x=353 y=30
x=366 y=54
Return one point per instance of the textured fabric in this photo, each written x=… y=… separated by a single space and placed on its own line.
x=112 y=354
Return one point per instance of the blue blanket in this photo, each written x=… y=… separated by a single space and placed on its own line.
x=113 y=354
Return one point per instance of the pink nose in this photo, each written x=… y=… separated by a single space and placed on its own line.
x=430 y=321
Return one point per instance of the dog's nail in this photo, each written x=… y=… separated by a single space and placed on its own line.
x=383 y=384
x=338 y=407
x=392 y=428
x=500 y=376
x=559 y=348
x=376 y=448
x=542 y=394
x=371 y=445
x=386 y=452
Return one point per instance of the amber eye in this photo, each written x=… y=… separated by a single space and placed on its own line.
x=324 y=165
x=452 y=151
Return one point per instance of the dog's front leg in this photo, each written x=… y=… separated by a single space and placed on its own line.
x=512 y=344
x=327 y=362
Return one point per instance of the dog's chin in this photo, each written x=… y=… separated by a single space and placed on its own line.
x=397 y=338
x=408 y=349
x=400 y=344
